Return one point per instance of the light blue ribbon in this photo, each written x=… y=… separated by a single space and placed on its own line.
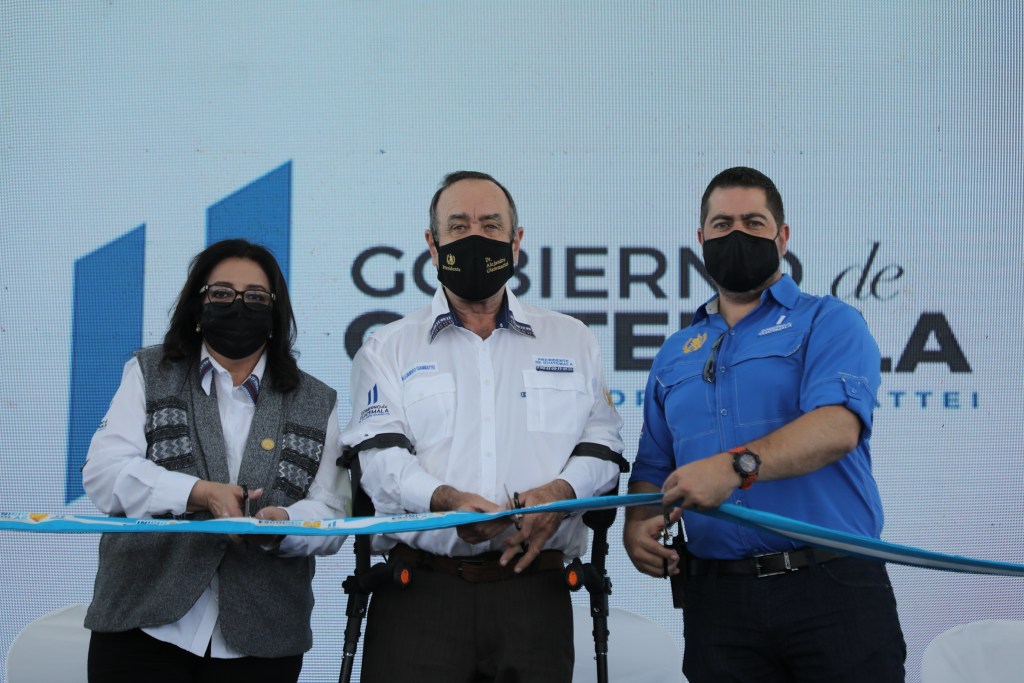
x=803 y=533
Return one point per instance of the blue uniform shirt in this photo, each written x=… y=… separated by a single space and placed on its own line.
x=793 y=353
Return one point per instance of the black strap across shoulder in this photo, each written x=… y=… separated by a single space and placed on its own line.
x=390 y=440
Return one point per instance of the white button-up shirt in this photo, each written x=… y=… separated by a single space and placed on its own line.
x=119 y=479
x=484 y=415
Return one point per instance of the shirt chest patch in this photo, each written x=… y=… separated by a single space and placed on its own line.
x=551 y=364
x=417 y=369
x=777 y=327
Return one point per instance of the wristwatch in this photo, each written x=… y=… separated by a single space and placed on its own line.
x=747 y=464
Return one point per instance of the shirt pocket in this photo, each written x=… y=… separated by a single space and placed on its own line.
x=767 y=378
x=430 y=409
x=688 y=401
x=556 y=402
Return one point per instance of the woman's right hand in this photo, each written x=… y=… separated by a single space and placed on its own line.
x=221 y=500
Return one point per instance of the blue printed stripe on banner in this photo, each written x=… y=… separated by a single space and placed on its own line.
x=41 y=522
x=805 y=533
x=861 y=546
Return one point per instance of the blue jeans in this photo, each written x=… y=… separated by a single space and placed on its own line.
x=833 y=622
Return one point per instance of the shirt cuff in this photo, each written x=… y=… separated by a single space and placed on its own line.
x=417 y=490
x=849 y=391
x=289 y=546
x=171 y=492
x=587 y=476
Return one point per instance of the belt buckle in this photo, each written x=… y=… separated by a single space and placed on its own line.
x=466 y=562
x=762 y=572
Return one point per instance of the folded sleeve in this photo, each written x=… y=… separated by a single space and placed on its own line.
x=655 y=458
x=392 y=476
x=842 y=365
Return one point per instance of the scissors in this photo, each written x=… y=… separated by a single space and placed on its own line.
x=515 y=504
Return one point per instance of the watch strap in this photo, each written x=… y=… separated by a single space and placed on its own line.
x=747 y=479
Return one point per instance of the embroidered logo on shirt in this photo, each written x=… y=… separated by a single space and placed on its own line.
x=374 y=411
x=373 y=408
x=694 y=343
x=420 y=367
x=543 y=364
x=777 y=327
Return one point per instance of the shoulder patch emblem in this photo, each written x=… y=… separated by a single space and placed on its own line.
x=694 y=343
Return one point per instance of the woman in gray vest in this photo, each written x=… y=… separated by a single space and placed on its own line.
x=217 y=422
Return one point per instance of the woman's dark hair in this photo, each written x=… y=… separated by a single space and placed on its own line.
x=183 y=342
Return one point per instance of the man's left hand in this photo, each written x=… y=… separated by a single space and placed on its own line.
x=537 y=527
x=703 y=483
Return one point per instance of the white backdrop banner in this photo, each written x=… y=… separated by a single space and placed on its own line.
x=134 y=134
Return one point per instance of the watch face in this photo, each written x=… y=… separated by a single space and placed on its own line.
x=747 y=463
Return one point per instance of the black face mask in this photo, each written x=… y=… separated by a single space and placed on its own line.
x=739 y=262
x=474 y=267
x=235 y=331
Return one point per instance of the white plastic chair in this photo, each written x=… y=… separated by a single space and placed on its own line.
x=52 y=649
x=980 y=652
x=639 y=650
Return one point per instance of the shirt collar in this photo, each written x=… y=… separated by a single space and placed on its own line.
x=784 y=291
x=510 y=316
x=251 y=385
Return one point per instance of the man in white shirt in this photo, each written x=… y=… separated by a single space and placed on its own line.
x=479 y=402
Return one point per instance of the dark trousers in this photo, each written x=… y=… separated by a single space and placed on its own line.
x=442 y=629
x=833 y=622
x=134 y=656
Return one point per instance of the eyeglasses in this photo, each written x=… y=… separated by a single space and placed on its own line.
x=253 y=299
x=709 y=364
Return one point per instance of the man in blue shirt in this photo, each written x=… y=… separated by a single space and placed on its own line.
x=766 y=401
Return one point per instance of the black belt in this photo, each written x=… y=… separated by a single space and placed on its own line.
x=760 y=566
x=479 y=568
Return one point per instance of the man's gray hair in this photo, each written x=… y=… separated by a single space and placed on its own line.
x=455 y=177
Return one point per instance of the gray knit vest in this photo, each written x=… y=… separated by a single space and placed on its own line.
x=150 y=579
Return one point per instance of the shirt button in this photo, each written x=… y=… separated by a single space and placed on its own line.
x=487 y=382
x=732 y=333
x=724 y=411
x=721 y=369
x=487 y=454
x=487 y=418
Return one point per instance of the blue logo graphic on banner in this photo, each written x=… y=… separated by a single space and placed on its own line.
x=106 y=324
x=259 y=212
